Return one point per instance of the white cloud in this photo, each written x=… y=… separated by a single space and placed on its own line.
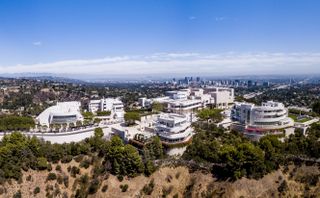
x=37 y=43
x=220 y=18
x=230 y=63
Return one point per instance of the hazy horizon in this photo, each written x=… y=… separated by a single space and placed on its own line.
x=169 y=37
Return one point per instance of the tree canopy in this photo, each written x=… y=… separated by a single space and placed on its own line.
x=238 y=157
x=131 y=117
x=16 y=123
x=316 y=107
x=210 y=114
x=157 y=107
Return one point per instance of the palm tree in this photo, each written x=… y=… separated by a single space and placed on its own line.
x=71 y=125
x=51 y=126
x=45 y=127
x=79 y=123
x=64 y=126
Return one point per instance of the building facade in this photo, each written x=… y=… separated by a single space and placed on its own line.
x=61 y=113
x=114 y=105
x=257 y=121
x=222 y=97
x=186 y=101
x=173 y=128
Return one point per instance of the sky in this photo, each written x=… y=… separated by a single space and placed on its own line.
x=162 y=37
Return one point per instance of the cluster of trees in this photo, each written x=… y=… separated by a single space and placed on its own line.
x=124 y=159
x=131 y=117
x=304 y=146
x=316 y=107
x=17 y=100
x=11 y=122
x=207 y=115
x=87 y=115
x=157 y=107
x=103 y=113
x=18 y=152
x=233 y=156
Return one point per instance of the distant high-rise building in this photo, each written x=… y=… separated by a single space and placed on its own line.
x=187 y=80
x=266 y=84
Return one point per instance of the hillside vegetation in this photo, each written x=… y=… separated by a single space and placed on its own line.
x=216 y=164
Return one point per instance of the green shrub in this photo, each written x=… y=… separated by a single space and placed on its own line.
x=124 y=187
x=18 y=194
x=49 y=167
x=66 y=159
x=120 y=178
x=85 y=163
x=60 y=179
x=66 y=181
x=42 y=163
x=51 y=176
x=36 y=190
x=74 y=171
x=104 y=188
x=78 y=158
x=148 y=188
x=283 y=187
x=29 y=178
x=58 y=168
x=94 y=186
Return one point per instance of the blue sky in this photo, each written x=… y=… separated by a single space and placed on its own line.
x=154 y=36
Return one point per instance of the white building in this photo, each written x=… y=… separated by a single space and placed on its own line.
x=221 y=96
x=114 y=105
x=270 y=117
x=62 y=112
x=173 y=128
x=184 y=106
x=186 y=101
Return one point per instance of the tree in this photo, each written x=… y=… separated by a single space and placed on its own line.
x=103 y=113
x=98 y=132
x=42 y=163
x=153 y=150
x=210 y=114
x=78 y=123
x=273 y=150
x=157 y=107
x=71 y=125
x=57 y=127
x=87 y=115
x=16 y=123
x=316 y=107
x=64 y=126
x=124 y=159
x=36 y=190
x=97 y=120
x=131 y=117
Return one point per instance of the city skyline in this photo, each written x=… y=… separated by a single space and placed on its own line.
x=159 y=37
